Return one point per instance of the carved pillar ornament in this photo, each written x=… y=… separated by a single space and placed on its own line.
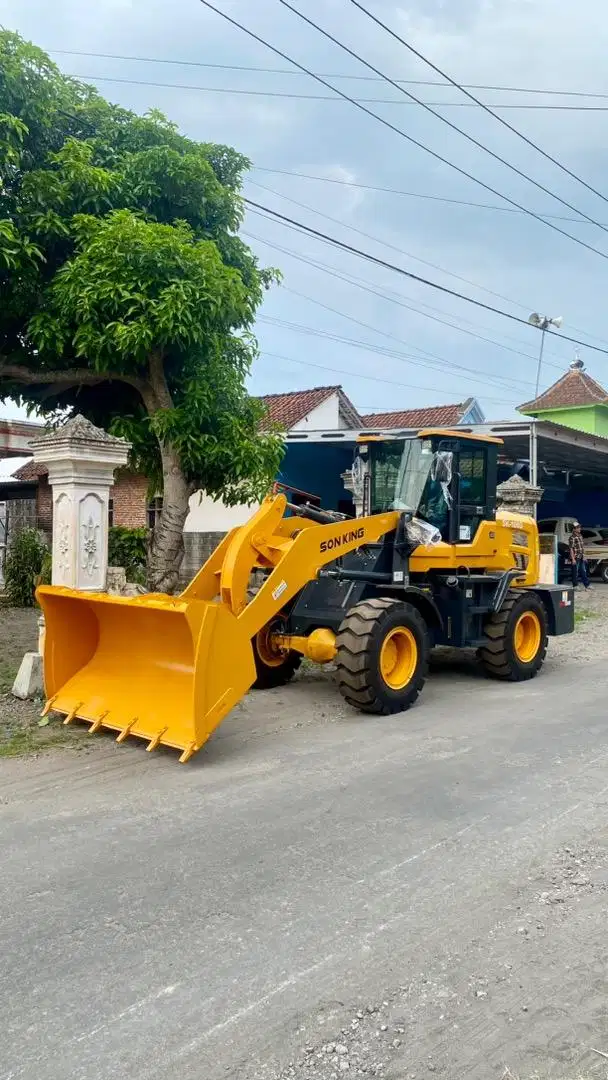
x=81 y=460
x=518 y=496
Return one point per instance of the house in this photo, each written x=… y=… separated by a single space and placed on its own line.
x=321 y=409
x=305 y=467
x=16 y=437
x=324 y=408
x=575 y=401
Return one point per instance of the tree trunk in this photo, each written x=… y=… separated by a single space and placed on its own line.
x=167 y=545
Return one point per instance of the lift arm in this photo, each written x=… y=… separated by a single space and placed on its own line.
x=293 y=548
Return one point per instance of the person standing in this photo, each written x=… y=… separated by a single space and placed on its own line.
x=577 y=557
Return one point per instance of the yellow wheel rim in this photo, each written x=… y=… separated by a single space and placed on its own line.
x=268 y=653
x=528 y=635
x=398 y=657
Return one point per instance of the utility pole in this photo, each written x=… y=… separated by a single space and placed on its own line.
x=543 y=322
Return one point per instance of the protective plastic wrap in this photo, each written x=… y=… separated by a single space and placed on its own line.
x=421 y=533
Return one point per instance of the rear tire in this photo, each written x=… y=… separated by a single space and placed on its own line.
x=382 y=656
x=273 y=667
x=517 y=635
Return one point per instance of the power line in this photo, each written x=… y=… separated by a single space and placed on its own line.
x=389 y=296
x=384 y=333
x=307 y=229
x=395 y=299
x=326 y=75
x=433 y=361
x=243 y=92
x=399 y=131
x=393 y=191
x=393 y=354
x=381 y=350
x=523 y=210
x=475 y=100
x=385 y=243
x=412 y=194
x=370 y=378
x=399 y=301
x=444 y=120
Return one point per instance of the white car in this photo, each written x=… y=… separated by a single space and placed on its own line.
x=596 y=549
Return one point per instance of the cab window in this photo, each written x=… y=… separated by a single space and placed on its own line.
x=472 y=469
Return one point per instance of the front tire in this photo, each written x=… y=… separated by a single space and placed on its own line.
x=382 y=656
x=517 y=639
x=274 y=667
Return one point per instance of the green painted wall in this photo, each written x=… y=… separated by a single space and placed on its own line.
x=590 y=418
x=601 y=422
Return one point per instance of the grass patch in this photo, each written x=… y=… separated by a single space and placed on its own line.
x=581 y=617
x=29 y=740
x=8 y=674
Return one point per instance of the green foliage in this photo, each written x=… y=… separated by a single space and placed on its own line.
x=125 y=290
x=46 y=570
x=23 y=566
x=128 y=548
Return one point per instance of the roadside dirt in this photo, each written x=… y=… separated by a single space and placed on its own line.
x=20 y=732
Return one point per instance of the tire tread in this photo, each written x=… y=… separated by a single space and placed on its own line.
x=357 y=661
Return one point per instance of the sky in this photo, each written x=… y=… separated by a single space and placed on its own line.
x=338 y=319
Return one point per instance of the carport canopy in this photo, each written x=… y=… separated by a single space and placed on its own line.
x=556 y=447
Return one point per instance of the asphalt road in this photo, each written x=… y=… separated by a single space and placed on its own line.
x=227 y=918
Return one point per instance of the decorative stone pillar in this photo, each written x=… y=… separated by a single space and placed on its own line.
x=81 y=460
x=518 y=496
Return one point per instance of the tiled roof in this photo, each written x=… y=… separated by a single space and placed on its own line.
x=30 y=472
x=575 y=388
x=433 y=416
x=286 y=410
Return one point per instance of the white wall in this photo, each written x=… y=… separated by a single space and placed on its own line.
x=325 y=417
x=209 y=515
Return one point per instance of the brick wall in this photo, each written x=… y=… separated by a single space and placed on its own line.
x=130 y=498
x=44 y=506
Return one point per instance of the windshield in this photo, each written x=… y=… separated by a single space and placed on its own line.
x=400 y=471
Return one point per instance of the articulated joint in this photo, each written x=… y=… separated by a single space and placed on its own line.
x=319 y=646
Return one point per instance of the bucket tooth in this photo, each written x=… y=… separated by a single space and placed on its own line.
x=152 y=745
x=126 y=730
x=74 y=712
x=95 y=726
x=49 y=705
x=187 y=753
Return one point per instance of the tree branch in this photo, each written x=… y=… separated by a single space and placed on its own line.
x=158 y=381
x=63 y=380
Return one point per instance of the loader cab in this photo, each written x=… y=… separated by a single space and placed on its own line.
x=444 y=477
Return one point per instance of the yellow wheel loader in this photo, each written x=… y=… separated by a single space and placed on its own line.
x=428 y=563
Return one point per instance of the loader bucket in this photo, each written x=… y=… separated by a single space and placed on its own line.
x=163 y=669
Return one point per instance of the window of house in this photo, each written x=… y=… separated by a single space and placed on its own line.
x=111 y=512
x=154 y=510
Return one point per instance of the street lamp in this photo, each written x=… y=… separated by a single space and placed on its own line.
x=543 y=322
